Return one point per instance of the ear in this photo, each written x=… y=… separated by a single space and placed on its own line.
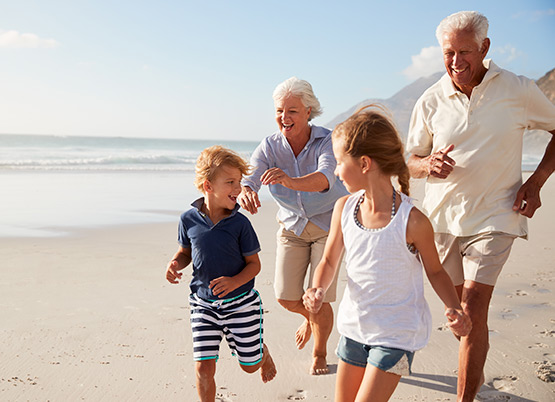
x=207 y=186
x=485 y=47
x=365 y=163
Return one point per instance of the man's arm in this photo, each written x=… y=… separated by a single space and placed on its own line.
x=528 y=196
x=438 y=164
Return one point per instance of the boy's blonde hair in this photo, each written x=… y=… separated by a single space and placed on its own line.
x=370 y=132
x=212 y=158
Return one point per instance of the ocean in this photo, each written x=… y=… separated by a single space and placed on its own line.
x=51 y=185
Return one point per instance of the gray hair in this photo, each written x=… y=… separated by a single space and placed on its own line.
x=471 y=21
x=301 y=89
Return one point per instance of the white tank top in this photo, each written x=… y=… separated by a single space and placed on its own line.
x=383 y=303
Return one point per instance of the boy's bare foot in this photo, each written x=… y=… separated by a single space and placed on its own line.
x=303 y=334
x=319 y=366
x=268 y=368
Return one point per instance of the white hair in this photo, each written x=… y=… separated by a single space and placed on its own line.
x=471 y=21
x=301 y=89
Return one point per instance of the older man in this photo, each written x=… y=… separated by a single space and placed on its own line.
x=466 y=137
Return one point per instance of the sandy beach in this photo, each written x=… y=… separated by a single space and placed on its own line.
x=91 y=317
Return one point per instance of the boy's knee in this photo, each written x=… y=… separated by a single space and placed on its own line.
x=250 y=369
x=206 y=369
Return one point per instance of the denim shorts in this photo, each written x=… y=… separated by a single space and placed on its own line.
x=390 y=360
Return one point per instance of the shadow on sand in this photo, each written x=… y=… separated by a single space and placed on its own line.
x=448 y=384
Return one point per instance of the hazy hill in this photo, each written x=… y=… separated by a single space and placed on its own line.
x=402 y=103
x=547 y=85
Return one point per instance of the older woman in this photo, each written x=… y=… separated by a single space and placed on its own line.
x=297 y=164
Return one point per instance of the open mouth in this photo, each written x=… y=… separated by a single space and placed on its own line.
x=287 y=126
x=459 y=71
x=233 y=198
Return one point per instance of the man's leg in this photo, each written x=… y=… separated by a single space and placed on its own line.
x=473 y=349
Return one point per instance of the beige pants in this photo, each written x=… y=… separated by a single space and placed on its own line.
x=478 y=258
x=294 y=255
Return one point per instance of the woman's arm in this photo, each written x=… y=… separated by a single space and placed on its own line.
x=312 y=182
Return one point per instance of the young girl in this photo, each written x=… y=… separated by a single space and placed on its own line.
x=383 y=317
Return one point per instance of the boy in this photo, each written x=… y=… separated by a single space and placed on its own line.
x=224 y=248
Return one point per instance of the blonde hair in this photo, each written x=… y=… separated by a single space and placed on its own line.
x=212 y=158
x=370 y=132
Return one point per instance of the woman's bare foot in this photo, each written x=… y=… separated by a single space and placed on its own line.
x=319 y=366
x=268 y=368
x=303 y=334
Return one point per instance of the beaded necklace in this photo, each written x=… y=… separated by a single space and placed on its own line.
x=360 y=225
x=411 y=247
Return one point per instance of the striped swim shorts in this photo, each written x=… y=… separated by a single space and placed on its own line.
x=238 y=319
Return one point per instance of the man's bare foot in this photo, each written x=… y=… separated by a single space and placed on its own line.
x=268 y=368
x=303 y=334
x=319 y=366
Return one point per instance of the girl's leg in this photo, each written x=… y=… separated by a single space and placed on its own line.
x=348 y=381
x=377 y=385
x=206 y=385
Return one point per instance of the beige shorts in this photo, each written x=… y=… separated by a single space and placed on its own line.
x=478 y=258
x=294 y=255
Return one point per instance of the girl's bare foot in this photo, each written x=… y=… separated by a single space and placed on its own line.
x=268 y=368
x=303 y=334
x=319 y=366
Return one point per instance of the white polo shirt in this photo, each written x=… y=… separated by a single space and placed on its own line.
x=487 y=132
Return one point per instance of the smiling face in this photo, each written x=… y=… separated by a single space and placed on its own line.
x=348 y=169
x=292 y=116
x=463 y=59
x=225 y=187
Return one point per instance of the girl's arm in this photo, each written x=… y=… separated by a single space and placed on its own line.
x=421 y=234
x=326 y=269
x=179 y=261
x=225 y=284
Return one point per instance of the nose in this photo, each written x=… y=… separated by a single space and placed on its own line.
x=237 y=186
x=457 y=59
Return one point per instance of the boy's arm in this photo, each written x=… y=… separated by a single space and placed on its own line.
x=179 y=261
x=325 y=270
x=225 y=284
x=421 y=234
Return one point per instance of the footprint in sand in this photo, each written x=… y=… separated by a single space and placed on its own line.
x=545 y=371
x=491 y=396
x=299 y=395
x=507 y=314
x=546 y=333
x=504 y=383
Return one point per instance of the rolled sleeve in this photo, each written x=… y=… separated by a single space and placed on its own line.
x=420 y=139
x=259 y=164
x=327 y=163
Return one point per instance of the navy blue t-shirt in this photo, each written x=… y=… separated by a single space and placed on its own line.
x=217 y=250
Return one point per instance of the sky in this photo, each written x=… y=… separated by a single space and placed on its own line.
x=207 y=69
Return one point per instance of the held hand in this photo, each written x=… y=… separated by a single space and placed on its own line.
x=248 y=200
x=313 y=299
x=527 y=199
x=222 y=286
x=276 y=176
x=171 y=272
x=459 y=322
x=439 y=164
